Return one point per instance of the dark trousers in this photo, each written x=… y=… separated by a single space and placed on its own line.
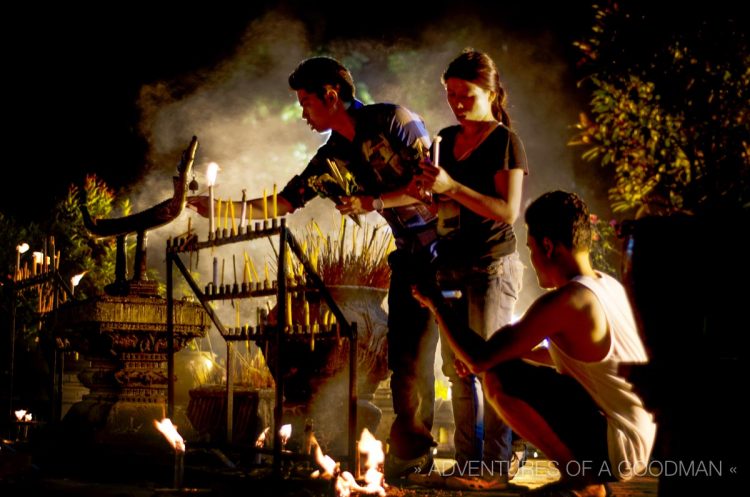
x=412 y=342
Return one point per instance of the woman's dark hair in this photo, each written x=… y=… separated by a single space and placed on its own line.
x=480 y=69
x=562 y=217
x=313 y=74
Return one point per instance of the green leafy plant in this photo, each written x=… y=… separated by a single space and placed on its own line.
x=669 y=112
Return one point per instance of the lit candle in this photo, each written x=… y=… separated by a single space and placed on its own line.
x=289 y=309
x=265 y=205
x=243 y=212
x=275 y=204
x=211 y=171
x=20 y=249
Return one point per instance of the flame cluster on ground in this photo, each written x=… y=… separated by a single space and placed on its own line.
x=345 y=482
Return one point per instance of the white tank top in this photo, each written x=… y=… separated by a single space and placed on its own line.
x=630 y=428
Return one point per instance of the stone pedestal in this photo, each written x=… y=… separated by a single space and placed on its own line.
x=125 y=340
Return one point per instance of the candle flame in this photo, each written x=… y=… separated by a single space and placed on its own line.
x=169 y=431
x=38 y=257
x=28 y=417
x=261 y=441
x=345 y=481
x=77 y=278
x=20 y=414
x=211 y=170
x=23 y=248
x=285 y=432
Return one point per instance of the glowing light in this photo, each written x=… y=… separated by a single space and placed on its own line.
x=211 y=171
x=77 y=278
x=169 y=431
x=20 y=414
x=23 y=248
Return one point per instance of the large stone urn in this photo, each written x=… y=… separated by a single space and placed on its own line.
x=316 y=381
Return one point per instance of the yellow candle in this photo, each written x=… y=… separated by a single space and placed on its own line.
x=246 y=277
x=325 y=318
x=249 y=210
x=226 y=214
x=289 y=309
x=252 y=268
x=275 y=204
x=231 y=215
x=218 y=214
x=265 y=205
x=237 y=313
x=268 y=280
x=307 y=314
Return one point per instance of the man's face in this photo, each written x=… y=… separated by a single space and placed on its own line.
x=540 y=261
x=314 y=111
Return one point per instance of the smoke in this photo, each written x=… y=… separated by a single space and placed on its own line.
x=248 y=121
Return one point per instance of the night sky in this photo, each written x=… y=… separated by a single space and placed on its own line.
x=73 y=74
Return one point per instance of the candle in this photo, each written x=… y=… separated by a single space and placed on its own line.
x=249 y=209
x=275 y=204
x=252 y=268
x=289 y=309
x=226 y=214
x=218 y=214
x=307 y=314
x=211 y=171
x=231 y=215
x=243 y=212
x=234 y=268
x=265 y=205
x=215 y=279
x=189 y=227
x=222 y=271
x=268 y=280
x=436 y=150
x=20 y=249
x=246 y=277
x=237 y=314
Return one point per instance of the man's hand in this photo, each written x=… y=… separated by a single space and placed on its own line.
x=462 y=370
x=199 y=203
x=360 y=204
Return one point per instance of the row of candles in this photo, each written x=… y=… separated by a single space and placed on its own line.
x=250 y=278
x=215 y=213
x=41 y=263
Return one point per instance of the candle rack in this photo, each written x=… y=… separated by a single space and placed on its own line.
x=278 y=334
x=48 y=277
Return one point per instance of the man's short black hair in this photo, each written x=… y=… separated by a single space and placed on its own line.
x=314 y=74
x=562 y=217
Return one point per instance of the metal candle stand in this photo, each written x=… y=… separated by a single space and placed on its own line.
x=278 y=334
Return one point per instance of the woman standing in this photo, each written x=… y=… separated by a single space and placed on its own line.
x=479 y=180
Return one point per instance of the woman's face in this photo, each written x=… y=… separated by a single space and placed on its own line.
x=468 y=101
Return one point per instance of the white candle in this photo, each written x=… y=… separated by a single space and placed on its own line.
x=211 y=171
x=243 y=212
x=436 y=150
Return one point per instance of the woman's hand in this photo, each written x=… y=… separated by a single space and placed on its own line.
x=199 y=203
x=435 y=178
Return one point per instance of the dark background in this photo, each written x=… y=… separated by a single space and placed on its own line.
x=73 y=72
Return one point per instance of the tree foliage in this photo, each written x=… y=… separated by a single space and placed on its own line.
x=669 y=108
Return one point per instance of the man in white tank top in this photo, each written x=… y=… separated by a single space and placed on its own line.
x=583 y=414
